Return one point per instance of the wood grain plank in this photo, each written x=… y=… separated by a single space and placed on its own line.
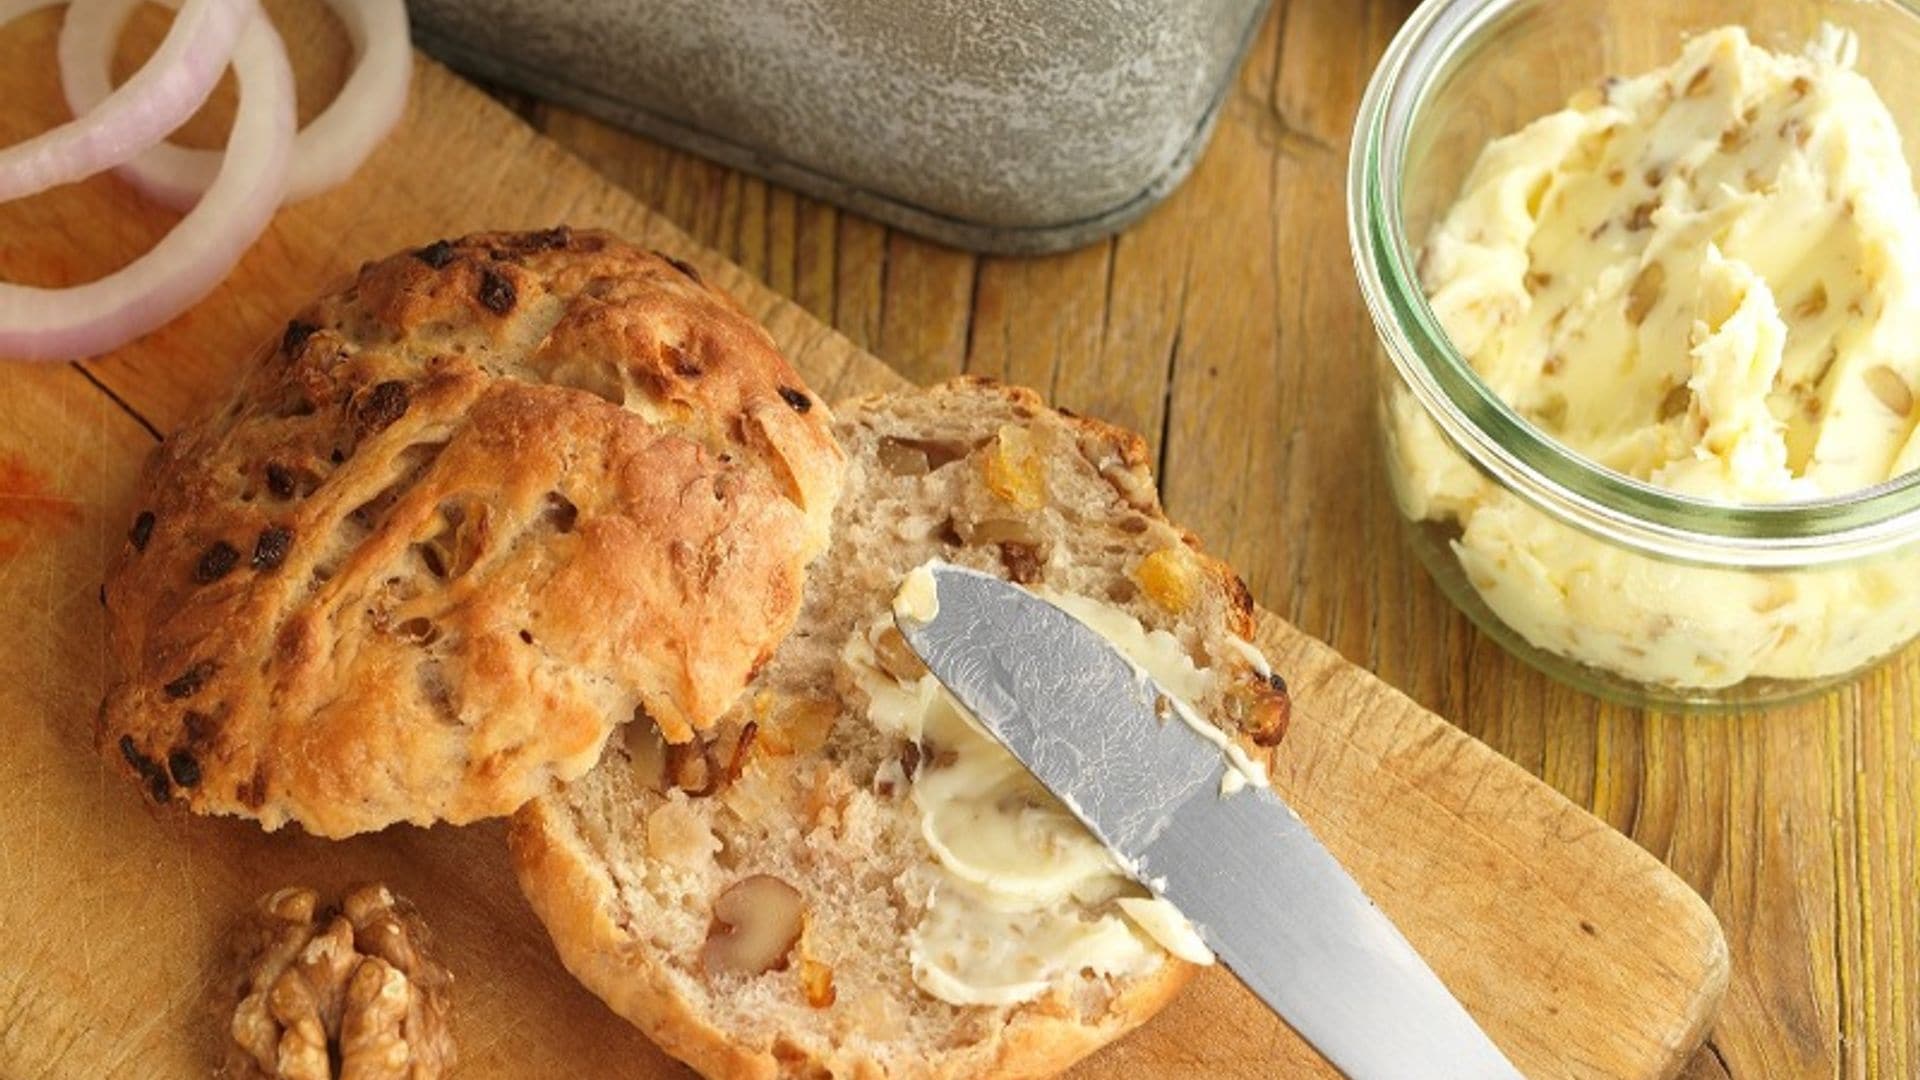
x=814 y=256
x=1889 y=822
x=1576 y=946
x=1126 y=382
x=925 y=307
x=1032 y=318
x=860 y=276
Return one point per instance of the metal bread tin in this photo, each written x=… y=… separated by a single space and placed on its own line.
x=997 y=125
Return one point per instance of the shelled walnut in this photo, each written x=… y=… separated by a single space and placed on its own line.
x=349 y=991
x=755 y=924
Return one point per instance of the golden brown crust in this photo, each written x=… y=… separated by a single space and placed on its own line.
x=460 y=520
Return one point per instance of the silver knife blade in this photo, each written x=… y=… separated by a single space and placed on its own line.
x=1262 y=892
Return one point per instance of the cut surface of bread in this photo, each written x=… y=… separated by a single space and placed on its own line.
x=455 y=524
x=789 y=896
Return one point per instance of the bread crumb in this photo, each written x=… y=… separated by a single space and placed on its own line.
x=678 y=835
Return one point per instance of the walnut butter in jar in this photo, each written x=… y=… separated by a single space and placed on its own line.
x=1650 y=354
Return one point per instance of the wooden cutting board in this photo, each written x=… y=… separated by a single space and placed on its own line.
x=1580 y=952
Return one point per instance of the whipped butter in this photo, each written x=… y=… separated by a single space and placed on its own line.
x=919 y=596
x=1706 y=278
x=1023 y=896
x=1158 y=654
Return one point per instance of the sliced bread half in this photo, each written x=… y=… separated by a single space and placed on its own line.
x=848 y=878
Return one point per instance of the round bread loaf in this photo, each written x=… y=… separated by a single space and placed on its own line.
x=460 y=519
x=753 y=902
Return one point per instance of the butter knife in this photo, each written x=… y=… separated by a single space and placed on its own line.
x=1261 y=891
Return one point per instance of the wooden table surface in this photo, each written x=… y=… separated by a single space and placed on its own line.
x=1227 y=327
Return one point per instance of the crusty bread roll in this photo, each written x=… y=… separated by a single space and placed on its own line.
x=753 y=903
x=460 y=520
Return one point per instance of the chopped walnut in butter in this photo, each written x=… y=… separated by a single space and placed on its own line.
x=348 y=991
x=1705 y=278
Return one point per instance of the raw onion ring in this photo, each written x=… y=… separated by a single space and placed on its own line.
x=326 y=152
x=82 y=320
x=150 y=106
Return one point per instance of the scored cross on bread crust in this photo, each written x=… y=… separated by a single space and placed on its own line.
x=459 y=520
x=790 y=826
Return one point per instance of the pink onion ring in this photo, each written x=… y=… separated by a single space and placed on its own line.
x=82 y=320
x=327 y=151
x=158 y=99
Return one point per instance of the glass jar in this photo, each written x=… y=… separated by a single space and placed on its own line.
x=1605 y=582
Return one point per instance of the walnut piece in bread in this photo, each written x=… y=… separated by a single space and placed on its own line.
x=631 y=866
x=463 y=517
x=352 y=992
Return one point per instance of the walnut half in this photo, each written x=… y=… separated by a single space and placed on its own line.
x=755 y=924
x=348 y=992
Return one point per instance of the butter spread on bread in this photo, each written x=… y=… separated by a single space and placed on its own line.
x=1007 y=920
x=639 y=866
x=919 y=595
x=1157 y=653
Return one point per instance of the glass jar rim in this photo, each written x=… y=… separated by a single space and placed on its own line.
x=1565 y=484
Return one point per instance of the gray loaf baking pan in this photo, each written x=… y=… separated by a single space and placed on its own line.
x=1012 y=126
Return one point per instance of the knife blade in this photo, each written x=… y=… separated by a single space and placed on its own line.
x=1270 y=901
